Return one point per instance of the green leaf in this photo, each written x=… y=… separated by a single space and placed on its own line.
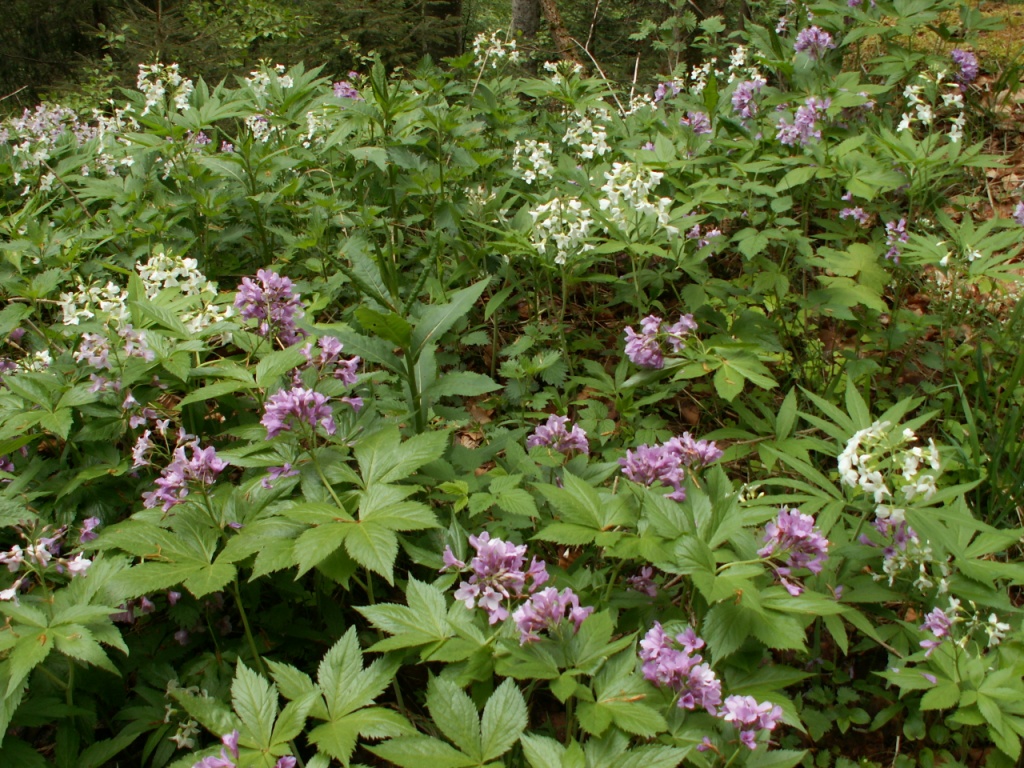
x=504 y=720
x=390 y=327
x=163 y=317
x=277 y=363
x=455 y=714
x=30 y=651
x=775 y=758
x=374 y=547
x=542 y=751
x=421 y=752
x=423 y=621
x=213 y=391
x=437 y=319
x=317 y=544
x=462 y=383
x=381 y=460
x=255 y=701
x=945 y=695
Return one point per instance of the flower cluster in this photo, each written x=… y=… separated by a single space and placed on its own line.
x=162 y=272
x=968 y=64
x=743 y=103
x=1018 y=213
x=497 y=576
x=546 y=610
x=42 y=551
x=750 y=716
x=564 y=223
x=533 y=160
x=345 y=89
x=590 y=137
x=872 y=453
x=704 y=237
x=699 y=122
x=895 y=236
x=665 y=463
x=259 y=80
x=88 y=300
x=330 y=359
x=494 y=50
x=645 y=348
x=173 y=484
x=159 y=81
x=857 y=213
x=554 y=435
x=628 y=191
x=939 y=623
x=917 y=108
x=305 y=405
x=813 y=41
x=803 y=129
x=673 y=662
x=793 y=539
x=273 y=303
x=230 y=747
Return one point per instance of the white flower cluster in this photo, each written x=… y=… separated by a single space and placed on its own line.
x=533 y=160
x=590 y=137
x=872 y=454
x=259 y=79
x=954 y=99
x=182 y=274
x=628 y=189
x=89 y=299
x=564 y=223
x=560 y=70
x=158 y=81
x=494 y=50
x=740 y=68
x=259 y=127
x=699 y=75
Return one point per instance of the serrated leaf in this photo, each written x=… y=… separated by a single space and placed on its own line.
x=454 y=713
x=383 y=458
x=542 y=751
x=390 y=327
x=437 y=319
x=77 y=642
x=422 y=622
x=213 y=391
x=316 y=544
x=374 y=547
x=503 y=722
x=422 y=751
x=32 y=648
x=255 y=701
x=278 y=363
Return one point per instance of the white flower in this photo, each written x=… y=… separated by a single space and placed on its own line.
x=78 y=565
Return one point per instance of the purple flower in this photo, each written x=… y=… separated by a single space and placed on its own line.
x=6 y=465
x=546 y=610
x=664 y=463
x=345 y=90
x=1018 y=213
x=94 y=350
x=968 y=64
x=230 y=740
x=173 y=483
x=642 y=582
x=305 y=405
x=792 y=538
x=939 y=624
x=895 y=235
x=272 y=303
x=644 y=349
x=555 y=436
x=88 y=530
x=649 y=146
x=285 y=762
x=665 y=89
x=703 y=238
x=274 y=473
x=227 y=146
x=863 y=218
x=749 y=715
x=802 y=129
x=699 y=122
x=813 y=41
x=497 y=576
x=743 y=103
x=683 y=671
x=181 y=637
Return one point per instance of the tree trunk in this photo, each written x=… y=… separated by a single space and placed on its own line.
x=526 y=17
x=563 y=41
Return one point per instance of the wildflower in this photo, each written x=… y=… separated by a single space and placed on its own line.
x=749 y=716
x=12 y=558
x=666 y=89
x=895 y=235
x=142 y=446
x=11 y=593
x=343 y=89
x=547 y=609
x=664 y=463
x=227 y=147
x=968 y=64
x=275 y=473
x=555 y=436
x=497 y=576
x=813 y=41
x=6 y=465
x=802 y=129
x=78 y=565
x=996 y=630
x=174 y=480
x=642 y=582
x=683 y=671
x=858 y=214
x=940 y=624
x=271 y=302
x=699 y=122
x=743 y=103
x=306 y=405
x=644 y=348
x=793 y=538
x=1018 y=213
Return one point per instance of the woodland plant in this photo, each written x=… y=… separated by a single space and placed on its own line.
x=476 y=418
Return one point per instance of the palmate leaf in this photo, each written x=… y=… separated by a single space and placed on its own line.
x=503 y=722
x=374 y=547
x=255 y=701
x=422 y=622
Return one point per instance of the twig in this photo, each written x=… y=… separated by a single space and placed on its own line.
x=593 y=25
x=603 y=75
x=13 y=93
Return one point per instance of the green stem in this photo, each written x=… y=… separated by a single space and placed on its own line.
x=323 y=479
x=248 y=630
x=415 y=396
x=53 y=677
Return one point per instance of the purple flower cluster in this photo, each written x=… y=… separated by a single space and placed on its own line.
x=546 y=610
x=644 y=348
x=968 y=64
x=743 y=103
x=173 y=484
x=939 y=624
x=750 y=716
x=703 y=237
x=666 y=89
x=330 y=352
x=497 y=576
x=307 y=406
x=1018 y=213
x=230 y=742
x=665 y=463
x=271 y=302
x=802 y=129
x=643 y=582
x=681 y=669
x=343 y=89
x=792 y=538
x=895 y=235
x=555 y=436
x=814 y=41
x=859 y=214
x=699 y=122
